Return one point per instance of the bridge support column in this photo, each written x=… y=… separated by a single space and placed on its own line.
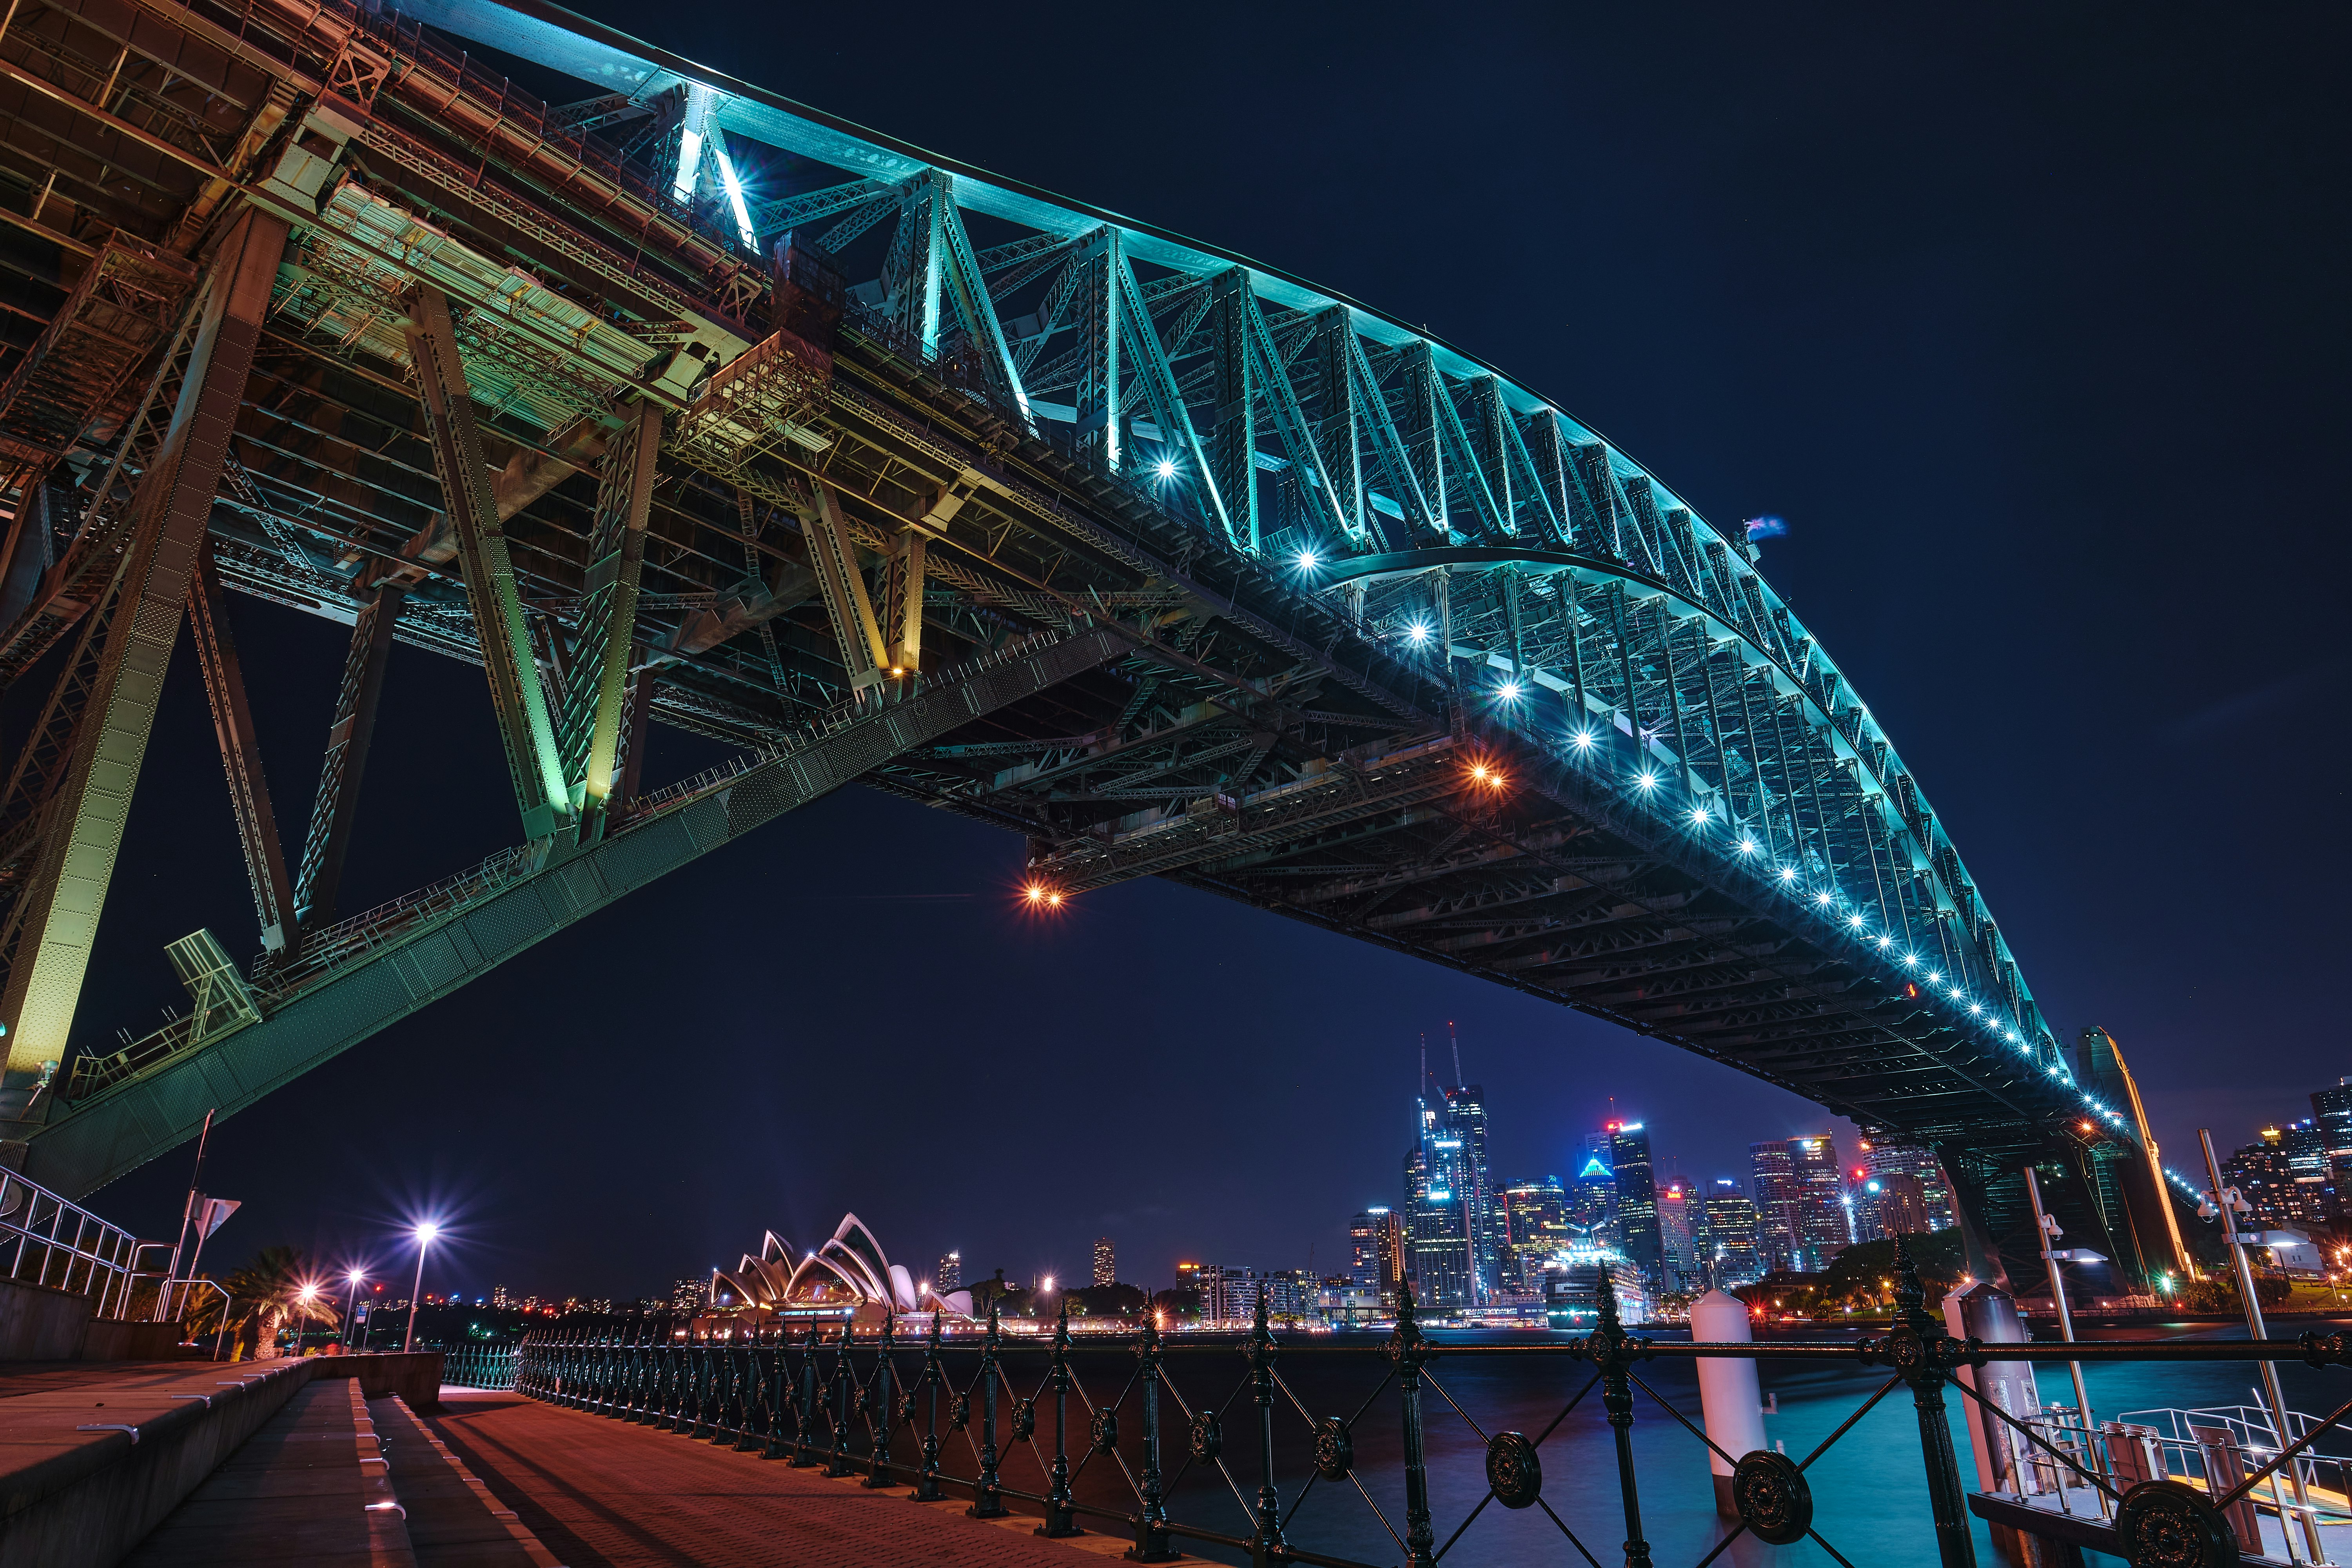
x=507 y=657
x=594 y=698
x=57 y=913
x=348 y=737
x=240 y=748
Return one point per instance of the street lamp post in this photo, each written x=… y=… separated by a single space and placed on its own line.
x=351 y=1304
x=303 y=1299
x=425 y=1235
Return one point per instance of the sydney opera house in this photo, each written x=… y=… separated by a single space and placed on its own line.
x=848 y=1278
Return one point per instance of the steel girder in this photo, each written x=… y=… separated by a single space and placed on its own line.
x=1299 y=737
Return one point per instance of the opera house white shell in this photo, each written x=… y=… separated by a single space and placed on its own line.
x=850 y=1270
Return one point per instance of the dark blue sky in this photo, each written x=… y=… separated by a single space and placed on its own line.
x=2032 y=322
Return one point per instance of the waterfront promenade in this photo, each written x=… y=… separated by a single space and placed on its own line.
x=598 y=1492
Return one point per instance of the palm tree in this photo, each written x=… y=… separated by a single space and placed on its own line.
x=277 y=1285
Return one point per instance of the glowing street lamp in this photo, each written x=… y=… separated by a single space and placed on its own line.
x=350 y=1302
x=425 y=1235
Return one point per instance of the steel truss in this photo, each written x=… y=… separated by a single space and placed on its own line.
x=1383 y=640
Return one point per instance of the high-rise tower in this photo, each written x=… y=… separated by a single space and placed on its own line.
x=1776 y=1203
x=1822 y=1227
x=1637 y=1200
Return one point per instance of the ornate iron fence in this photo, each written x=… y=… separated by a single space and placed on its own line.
x=886 y=1408
x=480 y=1366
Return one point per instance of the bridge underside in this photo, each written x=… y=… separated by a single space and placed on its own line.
x=1286 y=602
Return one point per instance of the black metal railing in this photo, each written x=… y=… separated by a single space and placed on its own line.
x=480 y=1366
x=888 y=1407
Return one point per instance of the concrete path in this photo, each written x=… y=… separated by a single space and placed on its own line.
x=309 y=1488
x=602 y=1493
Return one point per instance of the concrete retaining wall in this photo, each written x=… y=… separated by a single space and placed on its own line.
x=108 y=1339
x=38 y=1323
x=91 y=1502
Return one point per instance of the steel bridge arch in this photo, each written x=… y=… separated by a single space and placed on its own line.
x=1931 y=852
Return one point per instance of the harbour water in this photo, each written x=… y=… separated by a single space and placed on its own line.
x=1869 y=1489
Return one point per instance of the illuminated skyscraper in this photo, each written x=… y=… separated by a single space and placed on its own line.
x=1732 y=1257
x=1675 y=1240
x=1592 y=1195
x=1376 y=1242
x=1106 y=1262
x=1776 y=1203
x=2331 y=1109
x=1437 y=1238
x=1637 y=1200
x=1900 y=1160
x=1822 y=1227
x=951 y=1276
x=1534 y=1215
x=1465 y=1115
x=2310 y=1193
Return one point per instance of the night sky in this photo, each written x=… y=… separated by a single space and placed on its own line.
x=2031 y=324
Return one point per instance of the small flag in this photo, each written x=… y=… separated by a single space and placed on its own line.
x=214 y=1214
x=1767 y=527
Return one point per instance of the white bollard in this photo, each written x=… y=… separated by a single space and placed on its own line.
x=1733 y=1410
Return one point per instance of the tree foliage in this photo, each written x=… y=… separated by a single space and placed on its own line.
x=265 y=1294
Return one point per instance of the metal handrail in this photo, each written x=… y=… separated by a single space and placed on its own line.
x=54 y=1242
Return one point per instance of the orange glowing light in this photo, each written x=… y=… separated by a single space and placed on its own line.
x=2085 y=1126
x=1053 y=900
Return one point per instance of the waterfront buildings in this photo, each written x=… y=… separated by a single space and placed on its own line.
x=1465 y=1115
x=2331 y=1109
x=1637 y=1199
x=1776 y=1203
x=1592 y=1195
x=1899 y=1160
x=951 y=1274
x=1534 y=1213
x=1821 y=1224
x=2259 y=1172
x=1376 y=1245
x=1678 y=1252
x=689 y=1295
x=1732 y=1255
x=1442 y=1212
x=1892 y=1205
x=2311 y=1195
x=1106 y=1262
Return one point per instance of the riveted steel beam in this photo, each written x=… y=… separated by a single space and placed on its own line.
x=590 y=735
x=56 y=914
x=516 y=695
x=392 y=974
x=240 y=748
x=349 y=733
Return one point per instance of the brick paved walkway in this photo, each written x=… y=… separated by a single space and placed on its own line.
x=602 y=1493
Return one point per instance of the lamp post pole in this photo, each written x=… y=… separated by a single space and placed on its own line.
x=416 y=1292
x=351 y=1304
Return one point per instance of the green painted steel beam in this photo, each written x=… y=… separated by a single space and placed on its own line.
x=91 y=1141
